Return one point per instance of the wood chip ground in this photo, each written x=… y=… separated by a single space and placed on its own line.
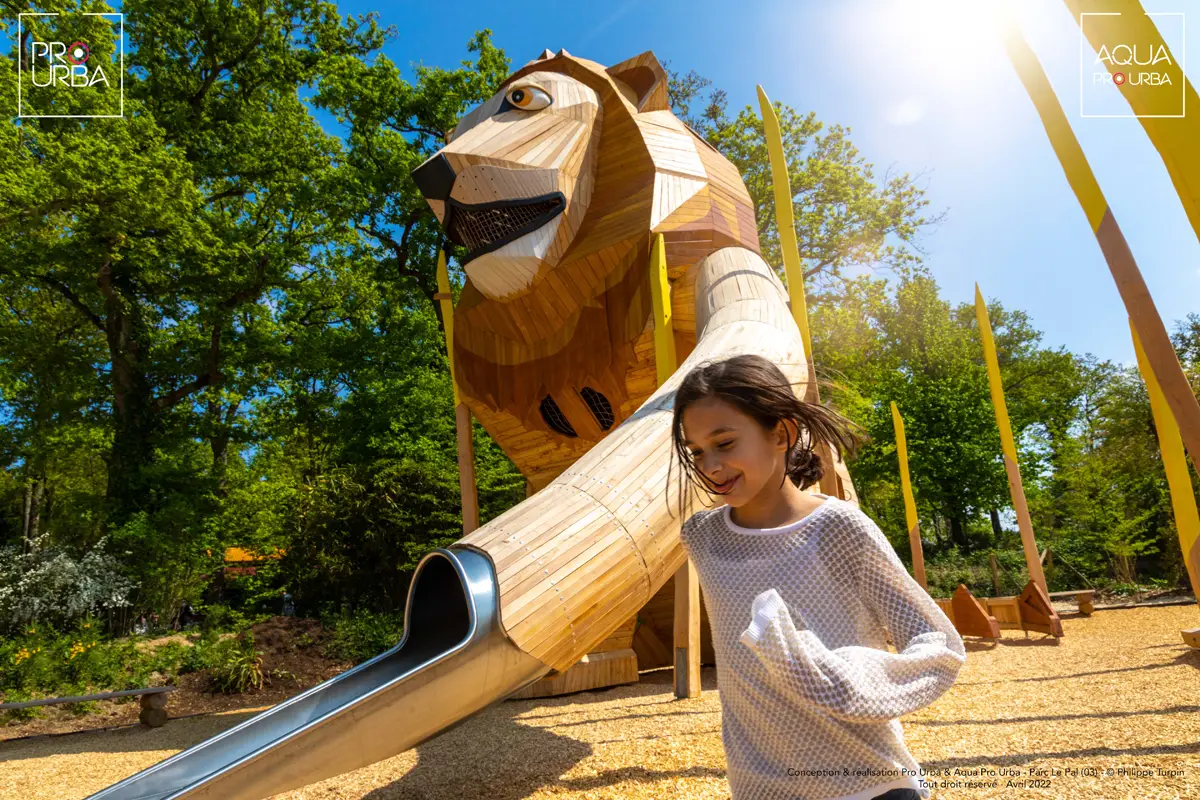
x=1114 y=708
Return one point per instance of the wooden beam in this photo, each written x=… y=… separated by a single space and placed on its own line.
x=466 y=468
x=687 y=631
x=462 y=414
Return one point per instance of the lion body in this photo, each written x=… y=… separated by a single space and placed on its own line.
x=569 y=318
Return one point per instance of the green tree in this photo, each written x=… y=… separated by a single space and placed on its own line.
x=847 y=219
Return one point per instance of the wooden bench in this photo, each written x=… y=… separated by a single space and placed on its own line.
x=153 y=702
x=1082 y=596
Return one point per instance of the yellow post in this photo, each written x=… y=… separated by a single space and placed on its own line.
x=687 y=581
x=786 y=224
x=910 y=505
x=1032 y=558
x=1160 y=354
x=660 y=298
x=1183 y=500
x=462 y=414
x=1160 y=110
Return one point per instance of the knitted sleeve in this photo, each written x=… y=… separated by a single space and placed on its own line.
x=855 y=683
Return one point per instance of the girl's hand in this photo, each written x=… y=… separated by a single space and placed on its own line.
x=764 y=608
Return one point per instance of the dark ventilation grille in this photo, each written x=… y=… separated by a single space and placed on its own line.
x=477 y=227
x=601 y=408
x=554 y=417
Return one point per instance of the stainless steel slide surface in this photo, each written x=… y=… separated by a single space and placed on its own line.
x=453 y=661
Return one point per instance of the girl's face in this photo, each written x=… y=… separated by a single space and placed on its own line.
x=733 y=450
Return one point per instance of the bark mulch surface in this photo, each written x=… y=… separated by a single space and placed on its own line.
x=1109 y=711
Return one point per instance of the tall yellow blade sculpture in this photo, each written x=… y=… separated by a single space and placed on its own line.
x=1173 y=135
x=785 y=222
x=910 y=505
x=1138 y=303
x=1032 y=560
x=1183 y=500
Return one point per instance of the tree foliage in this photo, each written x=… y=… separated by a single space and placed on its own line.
x=218 y=328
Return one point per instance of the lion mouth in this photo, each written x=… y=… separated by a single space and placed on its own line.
x=484 y=227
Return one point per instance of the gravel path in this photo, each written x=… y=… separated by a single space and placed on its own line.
x=1119 y=692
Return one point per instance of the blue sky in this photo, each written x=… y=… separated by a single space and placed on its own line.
x=925 y=87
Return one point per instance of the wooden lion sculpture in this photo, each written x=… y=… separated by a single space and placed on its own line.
x=557 y=186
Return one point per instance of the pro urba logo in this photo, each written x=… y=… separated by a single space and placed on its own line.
x=70 y=76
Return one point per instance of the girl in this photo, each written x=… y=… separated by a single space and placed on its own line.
x=801 y=590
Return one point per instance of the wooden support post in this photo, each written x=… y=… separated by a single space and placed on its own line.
x=687 y=584
x=466 y=468
x=910 y=505
x=462 y=414
x=995 y=565
x=687 y=631
x=1016 y=490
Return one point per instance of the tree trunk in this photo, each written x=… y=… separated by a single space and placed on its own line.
x=26 y=499
x=133 y=413
x=996 y=529
x=220 y=441
x=35 y=513
x=957 y=536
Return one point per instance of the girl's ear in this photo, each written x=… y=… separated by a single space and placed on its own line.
x=786 y=432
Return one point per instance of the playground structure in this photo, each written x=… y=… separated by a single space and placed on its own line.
x=563 y=188
x=555 y=342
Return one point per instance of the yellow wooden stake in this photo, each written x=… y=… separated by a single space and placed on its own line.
x=462 y=414
x=660 y=296
x=1183 y=499
x=786 y=224
x=1184 y=172
x=687 y=581
x=1032 y=558
x=910 y=505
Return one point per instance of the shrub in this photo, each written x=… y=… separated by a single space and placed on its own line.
x=363 y=635
x=53 y=586
x=239 y=666
x=43 y=662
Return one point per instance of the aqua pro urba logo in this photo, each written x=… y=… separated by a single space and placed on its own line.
x=68 y=77
x=1131 y=65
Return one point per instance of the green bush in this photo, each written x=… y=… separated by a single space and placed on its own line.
x=43 y=662
x=238 y=665
x=363 y=635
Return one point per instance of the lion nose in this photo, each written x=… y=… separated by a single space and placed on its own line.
x=434 y=178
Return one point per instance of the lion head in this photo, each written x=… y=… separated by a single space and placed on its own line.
x=556 y=186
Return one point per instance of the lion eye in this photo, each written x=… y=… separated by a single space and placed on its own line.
x=528 y=98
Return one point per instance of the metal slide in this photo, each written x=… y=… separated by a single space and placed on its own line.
x=454 y=660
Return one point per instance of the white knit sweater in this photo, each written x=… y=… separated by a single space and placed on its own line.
x=810 y=694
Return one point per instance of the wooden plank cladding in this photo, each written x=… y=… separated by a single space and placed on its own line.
x=587 y=552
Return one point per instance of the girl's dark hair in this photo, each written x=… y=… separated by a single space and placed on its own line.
x=759 y=389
